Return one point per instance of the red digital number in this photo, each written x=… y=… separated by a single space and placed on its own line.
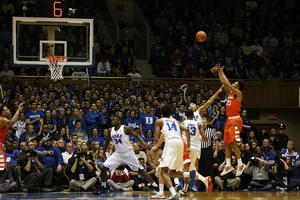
x=57 y=9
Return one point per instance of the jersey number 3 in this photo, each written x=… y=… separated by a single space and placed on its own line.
x=192 y=130
x=172 y=126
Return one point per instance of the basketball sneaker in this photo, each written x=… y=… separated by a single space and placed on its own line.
x=240 y=169
x=173 y=196
x=195 y=188
x=209 y=186
x=100 y=191
x=158 y=196
x=177 y=187
x=182 y=193
x=226 y=170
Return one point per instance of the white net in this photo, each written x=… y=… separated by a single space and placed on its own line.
x=56 y=65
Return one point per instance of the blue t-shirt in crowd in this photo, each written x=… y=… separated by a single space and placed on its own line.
x=132 y=123
x=11 y=158
x=147 y=122
x=92 y=139
x=50 y=124
x=99 y=162
x=34 y=115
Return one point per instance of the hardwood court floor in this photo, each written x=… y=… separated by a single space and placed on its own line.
x=273 y=195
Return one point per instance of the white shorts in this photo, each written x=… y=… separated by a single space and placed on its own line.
x=172 y=155
x=128 y=158
x=194 y=155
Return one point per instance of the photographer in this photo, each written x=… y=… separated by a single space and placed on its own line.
x=120 y=180
x=229 y=181
x=283 y=171
x=31 y=171
x=82 y=173
x=260 y=174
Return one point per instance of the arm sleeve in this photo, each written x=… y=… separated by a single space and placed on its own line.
x=102 y=120
x=83 y=126
x=40 y=154
x=267 y=166
x=58 y=156
x=99 y=67
x=88 y=118
x=248 y=170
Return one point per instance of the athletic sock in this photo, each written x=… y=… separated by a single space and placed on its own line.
x=185 y=187
x=172 y=190
x=228 y=162
x=176 y=181
x=161 y=189
x=154 y=184
x=186 y=174
x=103 y=184
x=239 y=162
x=201 y=178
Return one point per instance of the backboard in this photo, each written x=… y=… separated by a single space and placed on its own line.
x=34 y=38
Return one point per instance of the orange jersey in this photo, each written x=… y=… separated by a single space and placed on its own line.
x=232 y=106
x=3 y=132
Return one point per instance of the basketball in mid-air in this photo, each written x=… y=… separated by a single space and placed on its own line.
x=201 y=36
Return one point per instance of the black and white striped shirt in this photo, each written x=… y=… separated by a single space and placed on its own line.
x=211 y=135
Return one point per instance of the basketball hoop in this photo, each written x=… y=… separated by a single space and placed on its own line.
x=56 y=65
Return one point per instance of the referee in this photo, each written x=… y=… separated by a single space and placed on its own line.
x=206 y=162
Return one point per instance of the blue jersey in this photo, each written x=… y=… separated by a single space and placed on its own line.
x=149 y=140
x=13 y=138
x=147 y=122
x=99 y=163
x=102 y=142
x=32 y=116
x=11 y=158
x=131 y=123
x=50 y=124
x=131 y=138
x=92 y=139
x=23 y=139
x=294 y=156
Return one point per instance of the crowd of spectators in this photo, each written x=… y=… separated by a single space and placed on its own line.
x=253 y=39
x=63 y=132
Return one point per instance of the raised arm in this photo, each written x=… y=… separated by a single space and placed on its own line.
x=12 y=121
x=228 y=87
x=210 y=100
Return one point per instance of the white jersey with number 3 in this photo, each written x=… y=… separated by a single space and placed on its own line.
x=170 y=129
x=195 y=136
x=121 y=140
x=197 y=117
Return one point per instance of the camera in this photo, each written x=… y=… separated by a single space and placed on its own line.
x=253 y=159
x=277 y=159
x=30 y=153
x=79 y=154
